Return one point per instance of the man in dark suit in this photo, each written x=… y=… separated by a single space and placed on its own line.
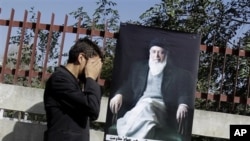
x=68 y=105
x=155 y=101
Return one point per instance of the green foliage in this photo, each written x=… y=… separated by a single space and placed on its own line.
x=212 y=19
x=245 y=41
x=83 y=16
x=106 y=74
x=106 y=14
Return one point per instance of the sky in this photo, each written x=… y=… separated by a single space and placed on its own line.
x=128 y=10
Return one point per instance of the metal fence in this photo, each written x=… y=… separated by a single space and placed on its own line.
x=30 y=72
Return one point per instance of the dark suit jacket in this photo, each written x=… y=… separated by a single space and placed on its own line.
x=177 y=87
x=68 y=109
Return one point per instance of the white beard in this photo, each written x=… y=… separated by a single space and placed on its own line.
x=157 y=67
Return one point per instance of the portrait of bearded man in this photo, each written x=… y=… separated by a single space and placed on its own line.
x=155 y=101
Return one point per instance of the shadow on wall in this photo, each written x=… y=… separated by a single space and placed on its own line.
x=23 y=131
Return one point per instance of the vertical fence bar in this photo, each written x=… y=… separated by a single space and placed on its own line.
x=7 y=44
x=100 y=80
x=236 y=80
x=92 y=28
x=209 y=75
x=48 y=47
x=248 y=91
x=62 y=41
x=32 y=60
x=104 y=38
x=210 y=71
x=222 y=77
x=20 y=47
x=223 y=71
x=78 y=27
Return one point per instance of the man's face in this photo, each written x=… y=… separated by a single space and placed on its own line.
x=157 y=54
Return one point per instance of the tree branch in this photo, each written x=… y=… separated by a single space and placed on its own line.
x=245 y=22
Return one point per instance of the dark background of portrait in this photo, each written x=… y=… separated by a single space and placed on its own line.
x=133 y=45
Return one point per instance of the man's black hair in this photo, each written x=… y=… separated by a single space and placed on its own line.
x=86 y=46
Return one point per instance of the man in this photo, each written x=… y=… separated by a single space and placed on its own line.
x=69 y=106
x=154 y=91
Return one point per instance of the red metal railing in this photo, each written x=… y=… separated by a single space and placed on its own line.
x=37 y=27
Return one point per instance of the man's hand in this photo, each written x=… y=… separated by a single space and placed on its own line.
x=116 y=103
x=181 y=114
x=93 y=67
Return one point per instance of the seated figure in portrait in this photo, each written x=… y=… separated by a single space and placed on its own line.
x=156 y=99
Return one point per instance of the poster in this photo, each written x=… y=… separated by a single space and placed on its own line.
x=153 y=85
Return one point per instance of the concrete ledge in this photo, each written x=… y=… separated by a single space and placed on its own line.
x=21 y=98
x=216 y=124
x=28 y=99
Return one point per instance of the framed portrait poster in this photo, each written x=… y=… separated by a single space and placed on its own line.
x=153 y=85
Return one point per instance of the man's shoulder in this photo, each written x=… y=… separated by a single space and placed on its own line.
x=60 y=72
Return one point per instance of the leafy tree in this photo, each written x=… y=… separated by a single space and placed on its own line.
x=212 y=19
x=245 y=41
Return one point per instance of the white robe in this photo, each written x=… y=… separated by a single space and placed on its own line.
x=147 y=115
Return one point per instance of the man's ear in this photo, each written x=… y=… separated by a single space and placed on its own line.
x=81 y=59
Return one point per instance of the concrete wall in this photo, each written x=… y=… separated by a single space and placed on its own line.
x=31 y=100
x=213 y=124
x=216 y=124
